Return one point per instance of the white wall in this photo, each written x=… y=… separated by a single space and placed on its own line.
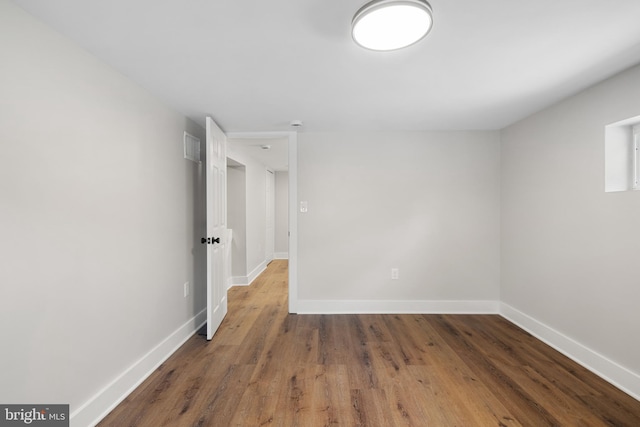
x=427 y=203
x=282 y=214
x=256 y=218
x=570 y=250
x=97 y=214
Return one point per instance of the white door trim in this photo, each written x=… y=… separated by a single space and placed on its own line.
x=293 y=204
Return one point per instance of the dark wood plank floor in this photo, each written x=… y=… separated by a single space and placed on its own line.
x=265 y=367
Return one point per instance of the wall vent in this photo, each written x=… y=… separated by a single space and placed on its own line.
x=191 y=147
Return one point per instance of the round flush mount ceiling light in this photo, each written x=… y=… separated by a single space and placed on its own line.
x=391 y=24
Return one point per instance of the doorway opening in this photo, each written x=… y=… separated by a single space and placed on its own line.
x=237 y=221
x=267 y=161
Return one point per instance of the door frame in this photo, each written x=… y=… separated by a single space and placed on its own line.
x=292 y=137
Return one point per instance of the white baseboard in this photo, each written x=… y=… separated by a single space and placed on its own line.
x=395 y=307
x=239 y=281
x=257 y=271
x=610 y=371
x=247 y=280
x=281 y=255
x=96 y=408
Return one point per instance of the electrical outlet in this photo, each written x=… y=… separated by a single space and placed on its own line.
x=395 y=273
x=186 y=289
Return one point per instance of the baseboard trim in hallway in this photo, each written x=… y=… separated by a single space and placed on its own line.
x=395 y=307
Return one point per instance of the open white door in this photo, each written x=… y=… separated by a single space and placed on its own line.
x=216 y=176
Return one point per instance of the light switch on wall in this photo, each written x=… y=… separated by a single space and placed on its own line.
x=304 y=207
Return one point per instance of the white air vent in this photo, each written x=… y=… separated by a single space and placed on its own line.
x=191 y=147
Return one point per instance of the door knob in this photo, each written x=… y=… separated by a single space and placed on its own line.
x=210 y=240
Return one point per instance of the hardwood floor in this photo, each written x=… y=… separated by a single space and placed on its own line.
x=267 y=368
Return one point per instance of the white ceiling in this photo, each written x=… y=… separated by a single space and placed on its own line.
x=276 y=157
x=257 y=65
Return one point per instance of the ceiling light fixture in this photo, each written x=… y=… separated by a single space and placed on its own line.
x=391 y=24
